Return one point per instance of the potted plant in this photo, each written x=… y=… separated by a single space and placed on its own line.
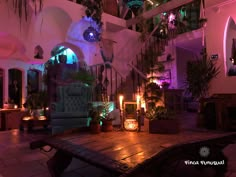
x=107 y=119
x=82 y=75
x=152 y=94
x=36 y=103
x=199 y=75
x=162 y=121
x=96 y=118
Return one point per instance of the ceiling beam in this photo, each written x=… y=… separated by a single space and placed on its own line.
x=124 y=12
x=158 y=10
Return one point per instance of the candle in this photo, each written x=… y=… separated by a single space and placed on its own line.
x=121 y=97
x=138 y=102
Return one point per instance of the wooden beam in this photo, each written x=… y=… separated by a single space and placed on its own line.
x=124 y=12
x=159 y=9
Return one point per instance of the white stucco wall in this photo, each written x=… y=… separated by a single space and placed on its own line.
x=49 y=28
x=217 y=17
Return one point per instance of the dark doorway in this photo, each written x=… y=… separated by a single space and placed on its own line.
x=32 y=81
x=1 y=88
x=15 y=86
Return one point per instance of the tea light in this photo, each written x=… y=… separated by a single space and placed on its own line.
x=138 y=98
x=42 y=118
x=27 y=118
x=121 y=98
x=15 y=106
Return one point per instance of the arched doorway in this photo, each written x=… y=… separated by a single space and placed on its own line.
x=66 y=53
x=1 y=88
x=15 y=86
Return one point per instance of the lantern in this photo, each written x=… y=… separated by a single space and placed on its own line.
x=91 y=34
x=131 y=124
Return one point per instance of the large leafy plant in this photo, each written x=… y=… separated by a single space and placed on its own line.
x=199 y=75
x=22 y=7
x=159 y=112
x=37 y=100
x=82 y=75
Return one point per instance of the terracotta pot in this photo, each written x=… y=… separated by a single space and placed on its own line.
x=95 y=128
x=107 y=125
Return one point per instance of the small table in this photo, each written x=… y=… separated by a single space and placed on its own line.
x=3 y=115
x=30 y=122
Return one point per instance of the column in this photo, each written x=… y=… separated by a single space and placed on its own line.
x=24 y=86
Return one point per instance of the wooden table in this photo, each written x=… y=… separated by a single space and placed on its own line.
x=120 y=152
x=3 y=115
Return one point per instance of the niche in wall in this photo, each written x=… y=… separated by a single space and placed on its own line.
x=38 y=52
x=230 y=47
x=32 y=81
x=15 y=86
x=231 y=67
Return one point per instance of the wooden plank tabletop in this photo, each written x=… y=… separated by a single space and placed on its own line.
x=123 y=150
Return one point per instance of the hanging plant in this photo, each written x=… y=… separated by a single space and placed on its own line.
x=94 y=10
x=21 y=7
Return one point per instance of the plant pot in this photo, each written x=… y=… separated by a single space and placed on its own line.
x=107 y=125
x=95 y=128
x=169 y=126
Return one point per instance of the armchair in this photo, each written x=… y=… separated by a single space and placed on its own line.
x=71 y=111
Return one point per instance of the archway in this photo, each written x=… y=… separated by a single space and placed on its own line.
x=15 y=86
x=72 y=52
x=230 y=47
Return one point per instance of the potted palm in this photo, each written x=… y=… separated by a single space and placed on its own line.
x=162 y=121
x=199 y=75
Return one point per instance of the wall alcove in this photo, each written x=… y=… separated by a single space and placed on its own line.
x=230 y=47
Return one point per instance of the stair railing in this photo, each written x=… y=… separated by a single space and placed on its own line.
x=111 y=81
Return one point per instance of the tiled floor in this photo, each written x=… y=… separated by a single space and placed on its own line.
x=18 y=160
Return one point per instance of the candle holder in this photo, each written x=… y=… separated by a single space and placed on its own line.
x=121 y=98
x=121 y=120
x=139 y=120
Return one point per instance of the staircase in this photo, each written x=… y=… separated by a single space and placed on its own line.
x=110 y=83
x=154 y=51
